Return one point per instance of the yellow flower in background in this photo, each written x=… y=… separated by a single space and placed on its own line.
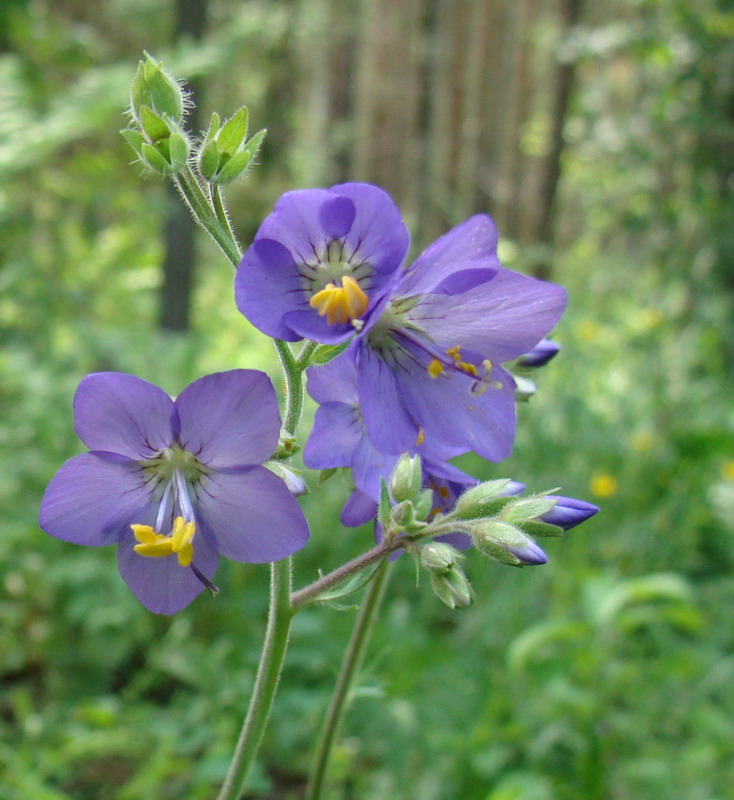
x=727 y=470
x=588 y=330
x=602 y=484
x=642 y=441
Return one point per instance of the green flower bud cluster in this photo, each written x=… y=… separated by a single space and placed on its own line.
x=226 y=153
x=157 y=135
x=157 y=107
x=502 y=527
x=448 y=581
x=404 y=507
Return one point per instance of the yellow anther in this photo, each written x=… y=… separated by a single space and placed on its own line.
x=156 y=545
x=454 y=352
x=340 y=304
x=468 y=368
x=443 y=492
x=435 y=368
x=421 y=437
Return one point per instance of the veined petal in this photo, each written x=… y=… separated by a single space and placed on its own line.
x=267 y=286
x=501 y=319
x=448 y=409
x=94 y=498
x=472 y=245
x=388 y=424
x=377 y=229
x=336 y=434
x=229 y=418
x=336 y=381
x=249 y=515
x=162 y=585
x=123 y=414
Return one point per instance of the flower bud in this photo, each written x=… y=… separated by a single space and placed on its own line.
x=567 y=512
x=406 y=478
x=506 y=543
x=225 y=154
x=484 y=500
x=541 y=354
x=156 y=90
x=452 y=588
x=292 y=478
x=440 y=557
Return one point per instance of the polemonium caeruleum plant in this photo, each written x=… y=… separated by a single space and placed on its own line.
x=410 y=366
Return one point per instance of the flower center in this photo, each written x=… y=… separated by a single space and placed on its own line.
x=340 y=304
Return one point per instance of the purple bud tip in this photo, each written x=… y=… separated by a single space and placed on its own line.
x=530 y=554
x=569 y=512
x=541 y=354
x=513 y=488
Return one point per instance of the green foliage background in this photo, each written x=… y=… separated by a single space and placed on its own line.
x=607 y=673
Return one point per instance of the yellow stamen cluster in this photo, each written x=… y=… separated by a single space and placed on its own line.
x=156 y=545
x=420 y=438
x=340 y=304
x=436 y=368
x=464 y=366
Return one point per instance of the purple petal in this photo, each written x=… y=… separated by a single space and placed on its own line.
x=162 y=585
x=469 y=246
x=358 y=509
x=307 y=324
x=93 y=499
x=389 y=426
x=296 y=223
x=336 y=434
x=446 y=409
x=267 y=286
x=501 y=319
x=530 y=554
x=249 y=515
x=123 y=414
x=229 y=418
x=369 y=465
x=336 y=381
x=378 y=230
x=569 y=512
x=336 y=216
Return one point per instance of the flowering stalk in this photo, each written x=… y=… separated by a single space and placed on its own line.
x=266 y=682
x=351 y=664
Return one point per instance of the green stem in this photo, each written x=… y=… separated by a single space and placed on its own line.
x=350 y=667
x=220 y=210
x=266 y=682
x=203 y=212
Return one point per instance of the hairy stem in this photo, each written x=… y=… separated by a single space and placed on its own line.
x=266 y=682
x=351 y=664
x=304 y=596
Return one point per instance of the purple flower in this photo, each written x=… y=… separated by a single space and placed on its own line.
x=428 y=359
x=321 y=262
x=568 y=512
x=339 y=439
x=175 y=483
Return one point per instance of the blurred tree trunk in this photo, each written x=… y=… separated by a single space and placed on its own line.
x=570 y=14
x=386 y=147
x=180 y=229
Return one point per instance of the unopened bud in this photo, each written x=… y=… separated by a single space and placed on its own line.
x=452 y=588
x=225 y=154
x=541 y=354
x=484 y=500
x=567 y=512
x=155 y=89
x=406 y=478
x=440 y=557
x=506 y=543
